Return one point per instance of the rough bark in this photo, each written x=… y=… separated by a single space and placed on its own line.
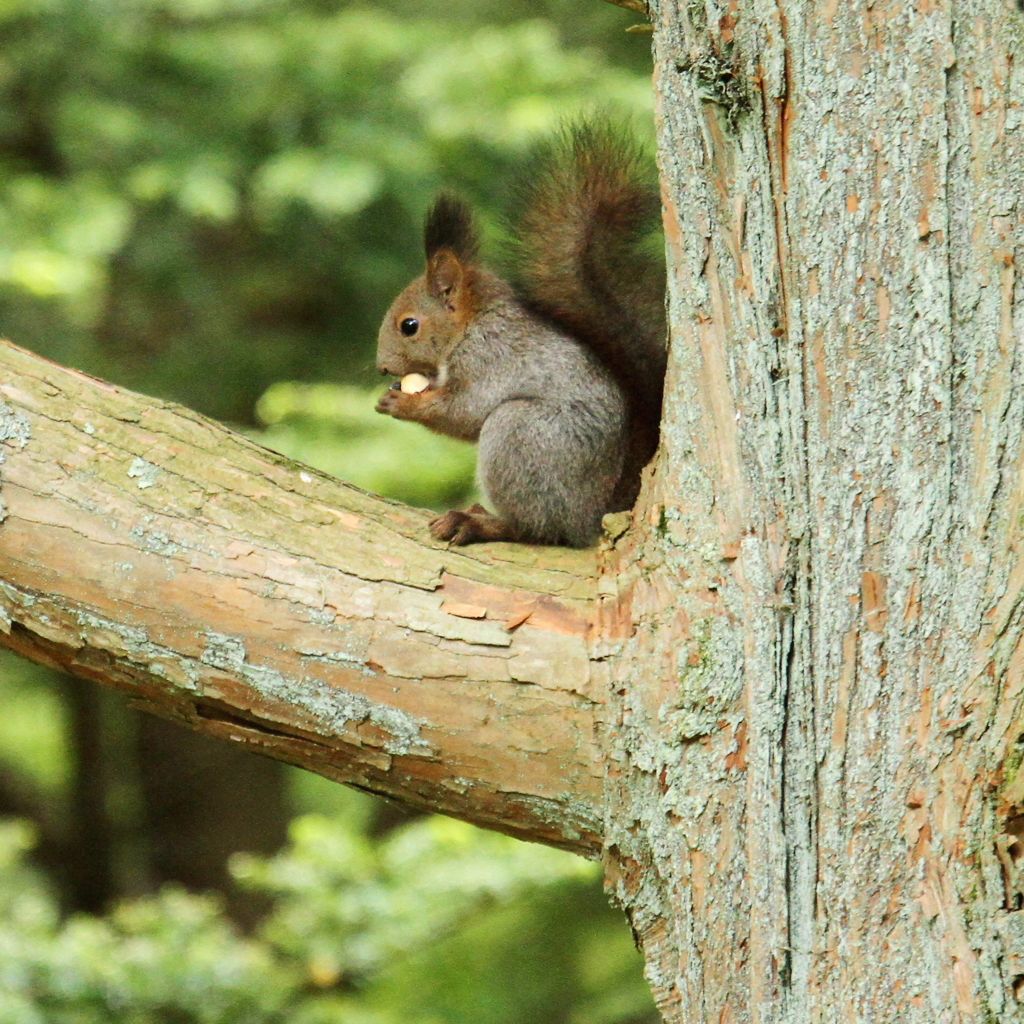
x=814 y=813
x=262 y=602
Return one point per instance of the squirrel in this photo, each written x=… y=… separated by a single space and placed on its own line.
x=559 y=377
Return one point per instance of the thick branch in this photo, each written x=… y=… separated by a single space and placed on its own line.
x=257 y=600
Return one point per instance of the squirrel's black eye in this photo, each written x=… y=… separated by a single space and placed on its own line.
x=409 y=326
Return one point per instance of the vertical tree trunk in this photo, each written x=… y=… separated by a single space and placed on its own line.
x=813 y=813
x=90 y=871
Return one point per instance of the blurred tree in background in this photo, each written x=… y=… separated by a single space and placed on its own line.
x=214 y=201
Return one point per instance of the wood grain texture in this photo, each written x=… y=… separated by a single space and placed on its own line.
x=260 y=601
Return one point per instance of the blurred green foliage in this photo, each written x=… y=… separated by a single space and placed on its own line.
x=334 y=428
x=33 y=730
x=350 y=922
x=199 y=198
x=214 y=201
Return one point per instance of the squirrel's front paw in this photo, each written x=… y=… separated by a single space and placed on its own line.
x=414 y=397
x=470 y=527
x=398 y=404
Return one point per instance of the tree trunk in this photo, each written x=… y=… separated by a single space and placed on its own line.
x=814 y=813
x=201 y=802
x=798 y=668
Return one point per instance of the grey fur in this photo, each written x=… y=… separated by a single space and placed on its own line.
x=552 y=442
x=549 y=416
x=560 y=383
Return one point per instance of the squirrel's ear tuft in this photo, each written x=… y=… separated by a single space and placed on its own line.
x=450 y=226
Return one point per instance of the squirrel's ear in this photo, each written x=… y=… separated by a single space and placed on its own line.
x=451 y=241
x=450 y=226
x=446 y=277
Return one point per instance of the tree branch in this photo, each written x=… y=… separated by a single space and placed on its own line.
x=257 y=600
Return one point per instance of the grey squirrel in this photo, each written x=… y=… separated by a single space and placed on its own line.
x=559 y=378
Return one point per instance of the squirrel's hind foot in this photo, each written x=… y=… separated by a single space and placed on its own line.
x=473 y=526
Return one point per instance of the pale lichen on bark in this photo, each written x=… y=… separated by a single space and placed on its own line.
x=14 y=430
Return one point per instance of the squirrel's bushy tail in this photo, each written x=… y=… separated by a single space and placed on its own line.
x=586 y=205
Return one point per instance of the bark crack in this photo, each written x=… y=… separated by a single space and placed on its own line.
x=798 y=782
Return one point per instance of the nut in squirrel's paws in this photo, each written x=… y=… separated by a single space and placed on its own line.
x=406 y=398
x=414 y=383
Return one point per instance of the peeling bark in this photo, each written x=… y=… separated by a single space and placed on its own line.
x=260 y=601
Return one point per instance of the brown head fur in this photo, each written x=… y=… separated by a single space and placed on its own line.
x=441 y=302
